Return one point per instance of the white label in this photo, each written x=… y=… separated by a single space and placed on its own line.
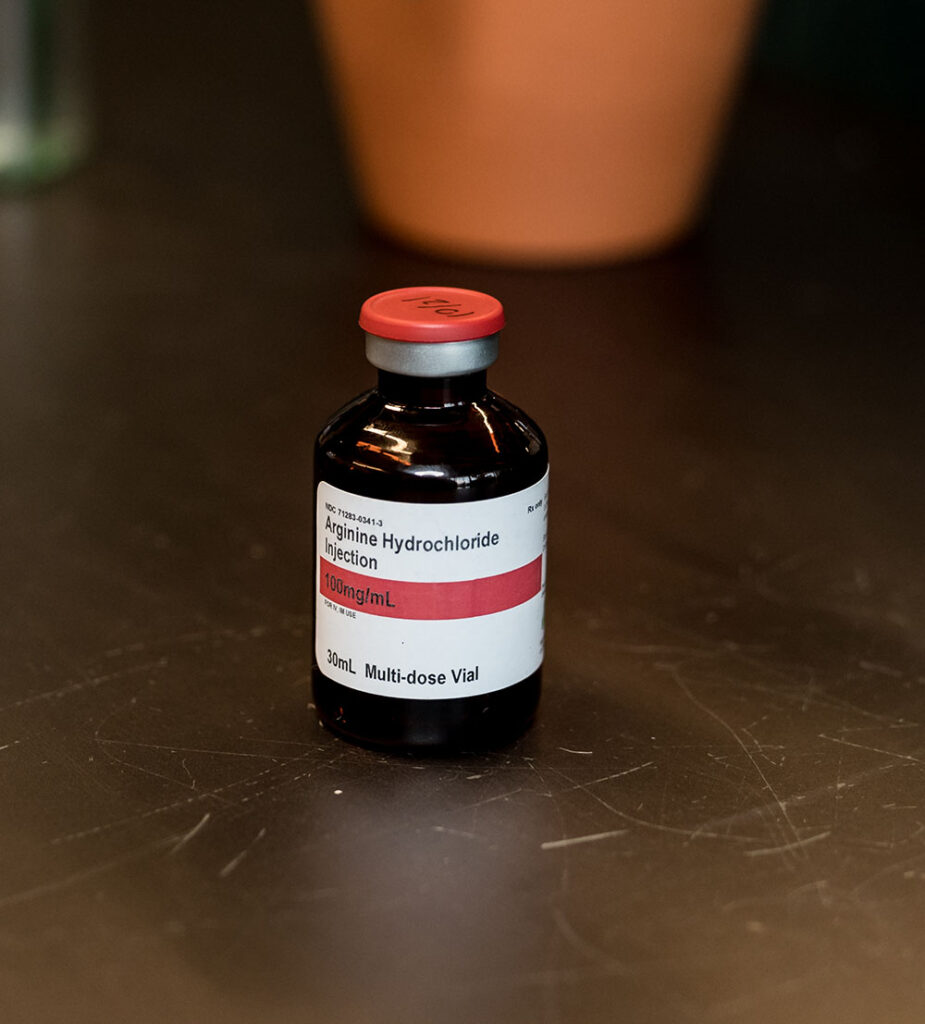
x=430 y=601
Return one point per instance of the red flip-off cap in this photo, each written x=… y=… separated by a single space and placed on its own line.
x=431 y=314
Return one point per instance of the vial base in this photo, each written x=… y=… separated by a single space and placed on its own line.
x=456 y=725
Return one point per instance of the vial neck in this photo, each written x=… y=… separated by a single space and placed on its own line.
x=432 y=392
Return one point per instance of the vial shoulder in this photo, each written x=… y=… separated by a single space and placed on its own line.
x=482 y=448
x=341 y=423
x=521 y=424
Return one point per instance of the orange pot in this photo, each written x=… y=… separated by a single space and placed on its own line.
x=534 y=130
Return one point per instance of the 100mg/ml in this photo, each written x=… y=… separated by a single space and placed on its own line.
x=358 y=595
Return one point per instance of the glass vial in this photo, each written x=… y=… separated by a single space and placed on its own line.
x=430 y=535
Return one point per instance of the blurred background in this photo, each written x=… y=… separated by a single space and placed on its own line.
x=717 y=816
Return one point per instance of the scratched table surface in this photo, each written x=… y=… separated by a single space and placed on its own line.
x=720 y=812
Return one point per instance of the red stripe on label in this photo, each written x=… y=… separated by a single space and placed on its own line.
x=459 y=599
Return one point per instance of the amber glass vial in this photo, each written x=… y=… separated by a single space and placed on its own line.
x=430 y=537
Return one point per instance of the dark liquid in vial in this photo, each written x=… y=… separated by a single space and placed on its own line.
x=461 y=442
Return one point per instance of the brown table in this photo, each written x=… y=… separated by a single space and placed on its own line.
x=720 y=815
